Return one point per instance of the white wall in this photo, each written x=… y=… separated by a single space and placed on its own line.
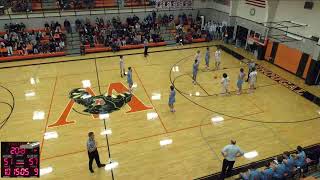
x=294 y=10
x=241 y=9
x=211 y=4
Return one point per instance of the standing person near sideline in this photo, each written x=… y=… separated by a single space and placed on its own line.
x=129 y=79
x=230 y=153
x=145 y=44
x=93 y=152
x=217 y=55
x=195 y=69
x=207 y=58
x=122 y=68
x=240 y=80
x=172 y=99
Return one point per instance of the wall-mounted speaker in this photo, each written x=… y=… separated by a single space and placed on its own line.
x=308 y=5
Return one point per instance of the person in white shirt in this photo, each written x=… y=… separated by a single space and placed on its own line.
x=225 y=83
x=253 y=79
x=230 y=153
x=198 y=56
x=217 y=56
x=122 y=68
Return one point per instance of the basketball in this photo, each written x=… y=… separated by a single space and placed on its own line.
x=215 y=77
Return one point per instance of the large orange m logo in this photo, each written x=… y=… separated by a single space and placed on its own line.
x=135 y=104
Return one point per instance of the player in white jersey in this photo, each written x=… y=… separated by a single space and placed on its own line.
x=225 y=83
x=253 y=79
x=217 y=56
x=198 y=56
x=122 y=68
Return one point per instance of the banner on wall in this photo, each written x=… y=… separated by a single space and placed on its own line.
x=174 y=4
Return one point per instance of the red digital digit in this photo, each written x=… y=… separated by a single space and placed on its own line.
x=22 y=151
x=22 y=172
x=6 y=161
x=30 y=161
x=36 y=171
x=26 y=171
x=7 y=172
x=16 y=171
x=13 y=150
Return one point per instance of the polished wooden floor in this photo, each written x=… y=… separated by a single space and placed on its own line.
x=251 y=119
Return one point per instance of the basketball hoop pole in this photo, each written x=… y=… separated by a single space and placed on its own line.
x=109 y=155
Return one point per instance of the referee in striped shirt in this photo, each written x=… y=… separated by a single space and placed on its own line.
x=93 y=152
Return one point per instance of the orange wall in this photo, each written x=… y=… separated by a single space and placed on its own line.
x=288 y=58
x=268 y=50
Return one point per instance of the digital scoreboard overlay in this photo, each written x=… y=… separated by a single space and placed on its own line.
x=20 y=159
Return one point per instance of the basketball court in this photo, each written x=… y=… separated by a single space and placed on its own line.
x=269 y=121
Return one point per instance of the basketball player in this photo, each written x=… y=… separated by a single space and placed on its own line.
x=93 y=152
x=240 y=80
x=198 y=56
x=122 y=68
x=172 y=99
x=252 y=79
x=225 y=83
x=218 y=58
x=129 y=79
x=251 y=65
x=195 y=71
x=207 y=58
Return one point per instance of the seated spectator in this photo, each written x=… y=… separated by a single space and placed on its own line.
x=3 y=50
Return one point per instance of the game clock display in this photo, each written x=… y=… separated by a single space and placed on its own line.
x=20 y=159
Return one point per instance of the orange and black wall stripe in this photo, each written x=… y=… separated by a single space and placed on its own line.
x=302 y=64
x=313 y=73
x=273 y=51
x=293 y=61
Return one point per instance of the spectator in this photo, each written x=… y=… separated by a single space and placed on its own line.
x=67 y=26
x=9 y=48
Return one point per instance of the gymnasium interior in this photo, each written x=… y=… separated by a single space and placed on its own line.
x=73 y=68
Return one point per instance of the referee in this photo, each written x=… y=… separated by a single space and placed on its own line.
x=230 y=153
x=93 y=152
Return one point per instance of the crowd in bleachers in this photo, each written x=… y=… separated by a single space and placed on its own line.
x=283 y=167
x=115 y=33
x=16 y=5
x=75 y=4
x=17 y=40
x=29 y=5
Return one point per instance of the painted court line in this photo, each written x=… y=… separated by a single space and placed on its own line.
x=46 y=124
x=141 y=138
x=150 y=100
